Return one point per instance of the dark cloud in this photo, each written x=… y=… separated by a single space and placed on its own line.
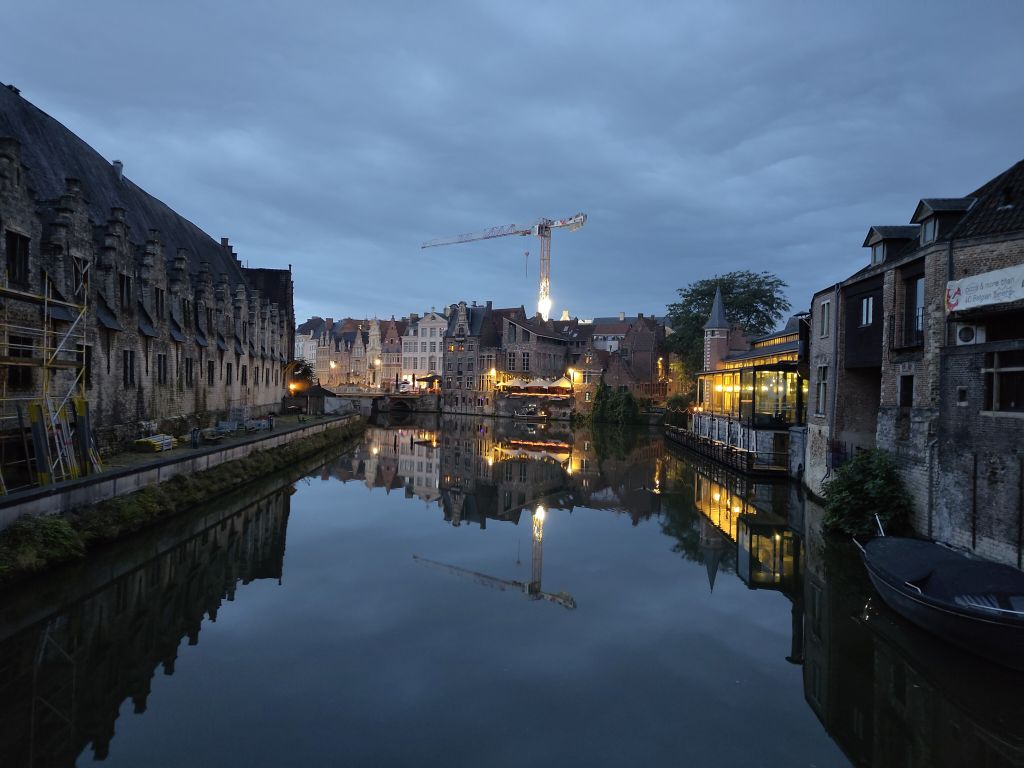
x=698 y=139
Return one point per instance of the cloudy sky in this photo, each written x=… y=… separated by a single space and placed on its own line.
x=698 y=138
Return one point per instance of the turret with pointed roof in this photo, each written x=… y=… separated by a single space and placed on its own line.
x=717 y=320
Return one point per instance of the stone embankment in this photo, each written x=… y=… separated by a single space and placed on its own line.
x=45 y=526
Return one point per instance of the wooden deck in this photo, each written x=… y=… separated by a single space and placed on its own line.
x=739 y=459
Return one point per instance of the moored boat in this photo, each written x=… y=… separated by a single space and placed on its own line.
x=976 y=604
x=530 y=413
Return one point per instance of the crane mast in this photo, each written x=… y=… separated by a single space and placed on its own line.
x=542 y=230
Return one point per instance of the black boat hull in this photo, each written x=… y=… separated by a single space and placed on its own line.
x=999 y=641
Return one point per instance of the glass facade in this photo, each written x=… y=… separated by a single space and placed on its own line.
x=762 y=397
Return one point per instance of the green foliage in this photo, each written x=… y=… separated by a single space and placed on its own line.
x=866 y=485
x=30 y=543
x=303 y=374
x=33 y=543
x=753 y=300
x=614 y=407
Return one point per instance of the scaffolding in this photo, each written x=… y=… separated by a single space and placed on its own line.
x=45 y=423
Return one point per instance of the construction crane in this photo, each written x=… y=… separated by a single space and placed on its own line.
x=542 y=229
x=532 y=588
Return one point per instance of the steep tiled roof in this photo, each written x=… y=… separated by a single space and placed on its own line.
x=52 y=153
x=899 y=232
x=930 y=205
x=717 y=318
x=1000 y=206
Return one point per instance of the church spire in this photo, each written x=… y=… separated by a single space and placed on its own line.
x=717 y=320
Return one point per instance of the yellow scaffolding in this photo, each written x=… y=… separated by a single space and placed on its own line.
x=53 y=415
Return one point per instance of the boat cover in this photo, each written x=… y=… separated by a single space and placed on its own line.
x=944 y=574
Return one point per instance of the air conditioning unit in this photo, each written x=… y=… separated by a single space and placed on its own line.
x=967 y=333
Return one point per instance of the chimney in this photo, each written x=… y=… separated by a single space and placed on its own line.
x=639 y=315
x=622 y=317
x=474 y=302
x=488 y=305
x=118 y=169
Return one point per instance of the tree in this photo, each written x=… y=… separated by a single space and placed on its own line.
x=303 y=375
x=753 y=300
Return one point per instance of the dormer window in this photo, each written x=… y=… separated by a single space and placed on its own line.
x=877 y=253
x=929 y=230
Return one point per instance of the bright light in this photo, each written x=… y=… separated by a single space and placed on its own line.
x=544 y=307
x=716 y=496
x=493 y=372
x=540 y=513
x=377 y=361
x=293 y=386
x=572 y=372
x=333 y=364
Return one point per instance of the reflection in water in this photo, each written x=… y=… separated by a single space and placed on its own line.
x=886 y=692
x=75 y=646
x=66 y=667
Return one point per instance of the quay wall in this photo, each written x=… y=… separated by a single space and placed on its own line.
x=65 y=497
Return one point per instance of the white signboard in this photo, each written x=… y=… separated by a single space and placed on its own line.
x=987 y=288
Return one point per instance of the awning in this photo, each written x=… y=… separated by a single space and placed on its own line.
x=562 y=383
x=201 y=339
x=62 y=313
x=106 y=316
x=145 y=324
x=176 y=333
x=221 y=344
x=538 y=384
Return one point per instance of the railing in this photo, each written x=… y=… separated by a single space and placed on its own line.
x=750 y=462
x=907 y=331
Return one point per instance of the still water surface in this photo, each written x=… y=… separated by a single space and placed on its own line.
x=488 y=593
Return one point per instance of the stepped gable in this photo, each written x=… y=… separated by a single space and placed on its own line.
x=52 y=153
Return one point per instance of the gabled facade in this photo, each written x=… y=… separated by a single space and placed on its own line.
x=423 y=346
x=940 y=382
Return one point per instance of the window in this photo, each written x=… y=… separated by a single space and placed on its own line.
x=1004 y=381
x=867 y=310
x=210 y=371
x=228 y=375
x=209 y=319
x=423 y=346
x=929 y=230
x=433 y=347
x=245 y=375
x=822 y=391
x=826 y=318
x=906 y=391
x=128 y=367
x=161 y=369
x=526 y=360
x=19 y=376
x=511 y=361
x=913 y=320
x=124 y=286
x=469 y=364
x=877 y=253
x=17 y=258
x=189 y=363
x=433 y=333
x=158 y=303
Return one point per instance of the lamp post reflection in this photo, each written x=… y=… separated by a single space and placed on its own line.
x=531 y=588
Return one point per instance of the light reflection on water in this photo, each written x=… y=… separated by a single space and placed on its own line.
x=486 y=592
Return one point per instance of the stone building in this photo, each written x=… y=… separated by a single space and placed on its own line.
x=392 y=333
x=640 y=361
x=423 y=346
x=472 y=343
x=109 y=292
x=921 y=353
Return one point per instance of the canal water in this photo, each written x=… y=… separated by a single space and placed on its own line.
x=477 y=592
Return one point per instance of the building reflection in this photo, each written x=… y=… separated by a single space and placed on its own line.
x=890 y=694
x=64 y=676
x=480 y=470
